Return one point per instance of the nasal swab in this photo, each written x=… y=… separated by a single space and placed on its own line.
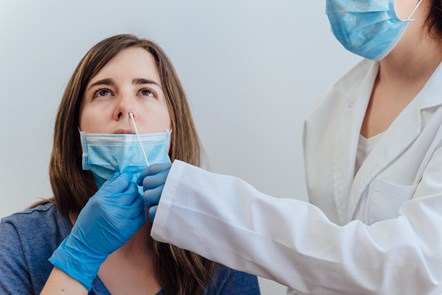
x=131 y=115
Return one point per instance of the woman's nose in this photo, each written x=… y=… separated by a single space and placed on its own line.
x=123 y=108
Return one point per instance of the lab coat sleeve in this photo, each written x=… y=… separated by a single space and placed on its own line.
x=292 y=242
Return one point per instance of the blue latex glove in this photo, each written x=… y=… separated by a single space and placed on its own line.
x=153 y=179
x=106 y=223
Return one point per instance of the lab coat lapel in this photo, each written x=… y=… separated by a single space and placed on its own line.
x=393 y=142
x=357 y=88
x=396 y=139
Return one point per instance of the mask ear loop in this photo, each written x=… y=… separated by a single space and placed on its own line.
x=414 y=10
x=131 y=115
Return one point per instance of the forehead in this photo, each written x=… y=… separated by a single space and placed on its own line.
x=130 y=63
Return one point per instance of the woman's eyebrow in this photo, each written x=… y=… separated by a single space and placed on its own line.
x=107 y=81
x=138 y=81
x=110 y=82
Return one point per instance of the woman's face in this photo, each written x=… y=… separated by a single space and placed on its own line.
x=128 y=83
x=405 y=7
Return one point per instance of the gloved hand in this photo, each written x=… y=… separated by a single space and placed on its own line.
x=153 y=179
x=107 y=222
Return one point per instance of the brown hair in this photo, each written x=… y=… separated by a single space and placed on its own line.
x=178 y=271
x=434 y=19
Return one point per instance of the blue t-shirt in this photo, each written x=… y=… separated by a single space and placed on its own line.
x=28 y=239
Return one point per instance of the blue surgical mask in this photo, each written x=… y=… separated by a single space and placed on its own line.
x=105 y=154
x=369 y=28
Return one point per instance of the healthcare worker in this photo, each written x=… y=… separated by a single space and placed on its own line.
x=114 y=119
x=373 y=160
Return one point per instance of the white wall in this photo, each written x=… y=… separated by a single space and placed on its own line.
x=252 y=69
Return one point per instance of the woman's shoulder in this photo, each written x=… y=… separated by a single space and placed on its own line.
x=37 y=223
x=27 y=240
x=229 y=281
x=33 y=211
x=38 y=214
x=354 y=86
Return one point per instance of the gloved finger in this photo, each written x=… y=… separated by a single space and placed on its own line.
x=152 y=197
x=117 y=184
x=126 y=227
x=138 y=208
x=152 y=212
x=140 y=220
x=156 y=180
x=112 y=178
x=130 y=212
x=131 y=188
x=126 y=197
x=152 y=170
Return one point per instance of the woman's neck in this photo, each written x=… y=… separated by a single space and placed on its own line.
x=413 y=63
x=416 y=56
x=140 y=243
x=402 y=75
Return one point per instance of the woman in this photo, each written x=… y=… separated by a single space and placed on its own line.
x=122 y=86
x=373 y=157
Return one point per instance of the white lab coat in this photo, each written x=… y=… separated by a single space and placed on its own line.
x=376 y=232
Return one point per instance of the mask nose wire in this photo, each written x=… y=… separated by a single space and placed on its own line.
x=131 y=115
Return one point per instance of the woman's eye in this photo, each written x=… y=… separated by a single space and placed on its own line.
x=102 y=92
x=147 y=92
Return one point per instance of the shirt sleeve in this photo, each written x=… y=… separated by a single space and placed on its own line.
x=294 y=243
x=14 y=278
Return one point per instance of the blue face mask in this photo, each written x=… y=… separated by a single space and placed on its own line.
x=369 y=28
x=105 y=154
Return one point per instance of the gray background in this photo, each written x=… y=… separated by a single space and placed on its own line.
x=252 y=70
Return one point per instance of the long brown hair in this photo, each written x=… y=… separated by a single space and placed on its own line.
x=178 y=271
x=434 y=19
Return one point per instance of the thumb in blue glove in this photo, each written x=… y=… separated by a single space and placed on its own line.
x=106 y=223
x=153 y=179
